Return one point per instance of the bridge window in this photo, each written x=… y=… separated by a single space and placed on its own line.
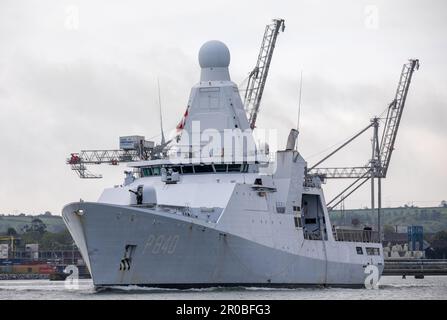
x=187 y=169
x=174 y=169
x=220 y=167
x=234 y=168
x=146 y=172
x=203 y=168
x=156 y=171
x=198 y=168
x=359 y=250
x=150 y=171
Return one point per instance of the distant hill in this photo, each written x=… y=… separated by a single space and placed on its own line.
x=18 y=222
x=433 y=219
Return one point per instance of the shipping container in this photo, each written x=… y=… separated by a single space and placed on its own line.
x=28 y=268
x=32 y=247
x=133 y=143
x=11 y=261
x=46 y=269
x=130 y=142
x=6 y=269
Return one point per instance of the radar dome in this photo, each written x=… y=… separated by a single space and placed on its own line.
x=214 y=54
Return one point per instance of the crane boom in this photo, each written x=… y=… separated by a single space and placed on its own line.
x=380 y=161
x=78 y=161
x=383 y=156
x=394 y=115
x=258 y=76
x=341 y=172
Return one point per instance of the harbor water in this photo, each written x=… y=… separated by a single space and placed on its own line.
x=390 y=288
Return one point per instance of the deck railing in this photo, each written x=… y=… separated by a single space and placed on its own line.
x=424 y=267
x=351 y=235
x=312 y=236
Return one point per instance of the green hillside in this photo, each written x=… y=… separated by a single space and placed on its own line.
x=18 y=222
x=433 y=219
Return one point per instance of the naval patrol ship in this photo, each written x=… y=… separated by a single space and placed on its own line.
x=224 y=215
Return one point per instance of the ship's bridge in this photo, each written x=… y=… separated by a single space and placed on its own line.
x=194 y=166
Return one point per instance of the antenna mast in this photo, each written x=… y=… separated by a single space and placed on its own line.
x=299 y=109
x=161 y=116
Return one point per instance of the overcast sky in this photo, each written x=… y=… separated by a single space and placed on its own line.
x=78 y=74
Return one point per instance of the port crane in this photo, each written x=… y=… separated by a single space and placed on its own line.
x=78 y=161
x=146 y=150
x=140 y=150
x=382 y=147
x=258 y=76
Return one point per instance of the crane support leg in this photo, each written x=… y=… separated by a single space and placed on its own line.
x=347 y=188
x=379 y=206
x=352 y=191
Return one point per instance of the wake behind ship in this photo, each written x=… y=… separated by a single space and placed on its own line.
x=224 y=215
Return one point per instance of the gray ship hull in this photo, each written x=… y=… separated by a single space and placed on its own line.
x=124 y=245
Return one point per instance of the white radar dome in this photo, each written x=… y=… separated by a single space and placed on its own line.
x=214 y=54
